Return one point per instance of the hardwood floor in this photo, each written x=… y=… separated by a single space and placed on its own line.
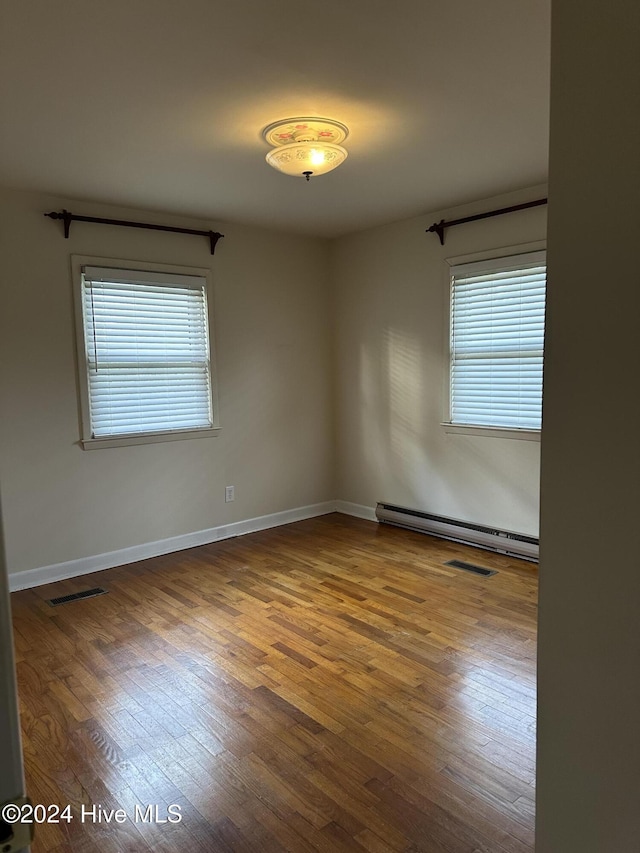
x=328 y=685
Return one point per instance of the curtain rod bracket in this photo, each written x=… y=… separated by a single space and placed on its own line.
x=438 y=228
x=214 y=236
x=68 y=217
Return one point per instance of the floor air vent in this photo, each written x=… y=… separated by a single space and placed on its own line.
x=470 y=567
x=87 y=593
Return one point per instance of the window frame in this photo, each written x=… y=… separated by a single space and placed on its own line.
x=87 y=440
x=503 y=253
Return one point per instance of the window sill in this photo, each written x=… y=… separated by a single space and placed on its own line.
x=492 y=432
x=147 y=438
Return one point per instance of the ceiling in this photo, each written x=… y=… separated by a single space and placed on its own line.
x=160 y=103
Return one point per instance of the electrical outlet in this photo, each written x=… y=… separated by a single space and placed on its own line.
x=229 y=493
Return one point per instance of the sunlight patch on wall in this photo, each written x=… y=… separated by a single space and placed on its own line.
x=392 y=413
x=404 y=363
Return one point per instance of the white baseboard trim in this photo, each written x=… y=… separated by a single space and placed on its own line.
x=73 y=568
x=357 y=510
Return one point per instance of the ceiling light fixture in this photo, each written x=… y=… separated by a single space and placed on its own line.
x=303 y=147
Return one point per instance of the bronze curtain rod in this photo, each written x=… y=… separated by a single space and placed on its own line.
x=438 y=227
x=68 y=217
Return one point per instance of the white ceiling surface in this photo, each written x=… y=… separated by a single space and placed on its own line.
x=160 y=103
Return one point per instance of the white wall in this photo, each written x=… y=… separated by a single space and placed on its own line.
x=390 y=298
x=272 y=307
x=589 y=637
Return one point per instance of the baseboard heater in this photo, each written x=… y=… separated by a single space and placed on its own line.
x=502 y=541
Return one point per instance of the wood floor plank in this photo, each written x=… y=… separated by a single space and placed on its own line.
x=330 y=686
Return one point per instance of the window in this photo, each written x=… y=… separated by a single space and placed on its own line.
x=497 y=335
x=144 y=355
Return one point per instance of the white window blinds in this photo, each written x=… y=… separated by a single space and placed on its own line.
x=147 y=349
x=497 y=336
